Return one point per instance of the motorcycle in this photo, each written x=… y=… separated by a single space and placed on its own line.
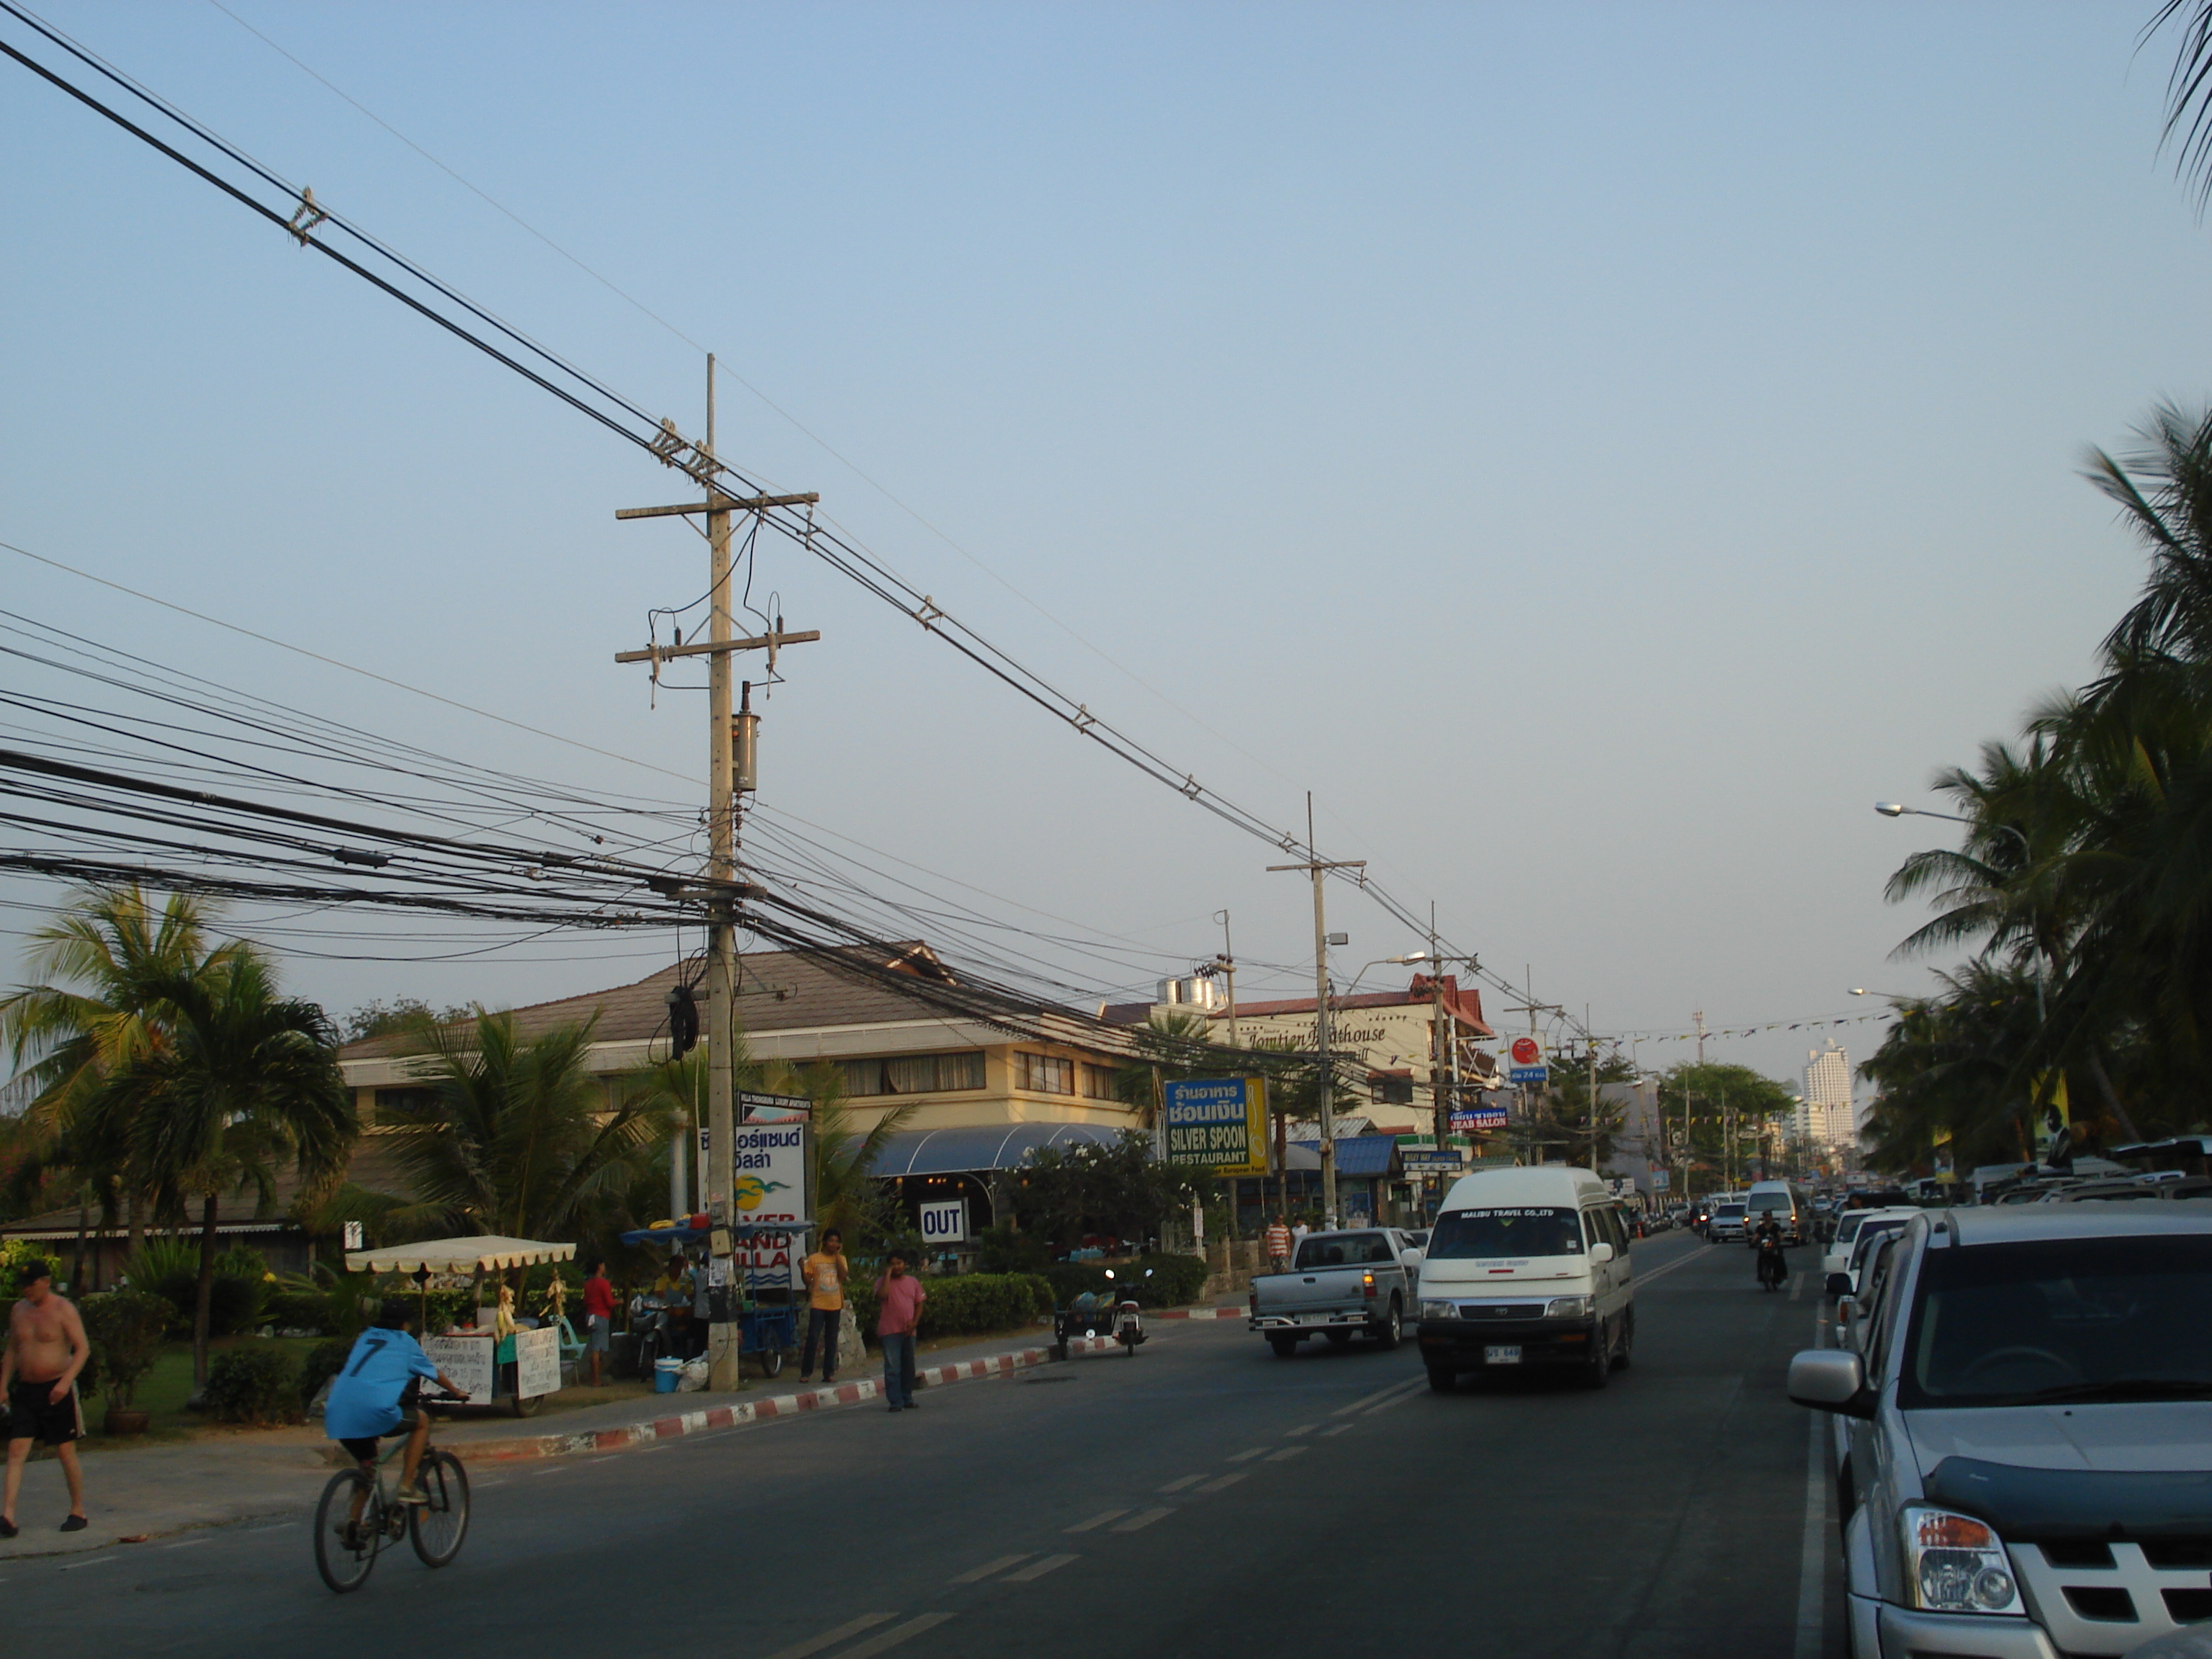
x=1773 y=1267
x=655 y=1331
x=1100 y=1314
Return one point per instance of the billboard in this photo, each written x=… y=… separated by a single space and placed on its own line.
x=1526 y=1057
x=1218 y=1123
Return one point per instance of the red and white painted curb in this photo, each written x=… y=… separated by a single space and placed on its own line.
x=756 y=1411
x=1203 y=1313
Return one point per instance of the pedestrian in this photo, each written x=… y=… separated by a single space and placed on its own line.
x=46 y=1349
x=825 y=1272
x=598 y=1317
x=1299 y=1233
x=899 y=1296
x=1279 y=1245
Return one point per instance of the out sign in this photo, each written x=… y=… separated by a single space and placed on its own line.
x=944 y=1222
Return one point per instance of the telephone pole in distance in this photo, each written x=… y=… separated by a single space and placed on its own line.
x=1319 y=868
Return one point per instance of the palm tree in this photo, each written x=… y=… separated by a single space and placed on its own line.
x=245 y=1082
x=520 y=1138
x=91 y=1010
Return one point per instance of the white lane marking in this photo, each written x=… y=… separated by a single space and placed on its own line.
x=1097 y=1521
x=609 y=1458
x=1414 y=1393
x=1659 y=1273
x=896 y=1634
x=1288 y=1452
x=189 y=1544
x=1812 y=1558
x=1247 y=1457
x=830 y=1639
x=97 y=1561
x=1140 y=1519
x=1302 y=1428
x=1377 y=1397
x=1187 y=1480
x=974 y=1575
x=1337 y=1428
x=1798 y=1285
x=486 y=1485
x=278 y=1527
x=1037 y=1570
x=552 y=1468
x=1219 y=1482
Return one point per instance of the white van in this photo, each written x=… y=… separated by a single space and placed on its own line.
x=1789 y=1205
x=1527 y=1267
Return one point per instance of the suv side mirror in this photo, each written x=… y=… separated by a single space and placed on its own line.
x=1831 y=1380
x=1600 y=1254
x=1839 y=1285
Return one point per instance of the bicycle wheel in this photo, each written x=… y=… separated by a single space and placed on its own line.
x=344 y=1552
x=439 y=1526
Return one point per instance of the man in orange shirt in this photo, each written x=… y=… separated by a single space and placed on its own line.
x=826 y=1273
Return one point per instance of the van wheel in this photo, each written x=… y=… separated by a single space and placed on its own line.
x=1598 y=1370
x=1284 y=1347
x=1386 y=1333
x=1443 y=1379
x=1625 y=1356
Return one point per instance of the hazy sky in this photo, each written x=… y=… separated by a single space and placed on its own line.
x=1599 y=451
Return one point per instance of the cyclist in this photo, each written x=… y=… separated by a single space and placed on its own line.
x=374 y=1398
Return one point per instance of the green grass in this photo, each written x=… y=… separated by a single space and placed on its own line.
x=163 y=1390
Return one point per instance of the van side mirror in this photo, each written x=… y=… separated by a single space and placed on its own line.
x=1831 y=1380
x=1839 y=1283
x=1600 y=1254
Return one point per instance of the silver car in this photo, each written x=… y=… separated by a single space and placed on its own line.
x=2027 y=1469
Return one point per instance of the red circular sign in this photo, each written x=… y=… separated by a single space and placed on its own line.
x=1525 y=1051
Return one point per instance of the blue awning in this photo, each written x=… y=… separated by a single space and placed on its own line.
x=980 y=1149
x=1359 y=1155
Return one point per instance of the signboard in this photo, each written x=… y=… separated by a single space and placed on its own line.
x=1217 y=1123
x=945 y=1221
x=751 y=1104
x=1481 y=1117
x=1526 y=1058
x=1659 y=1181
x=353 y=1236
x=1418 y=1158
x=467 y=1361
x=537 y=1362
x=768 y=1182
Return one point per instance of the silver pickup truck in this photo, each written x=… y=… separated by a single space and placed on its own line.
x=1339 y=1284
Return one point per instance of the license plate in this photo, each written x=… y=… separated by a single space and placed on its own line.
x=1495 y=1355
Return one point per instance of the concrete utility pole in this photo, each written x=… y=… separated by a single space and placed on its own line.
x=724 y=892
x=1326 y=1072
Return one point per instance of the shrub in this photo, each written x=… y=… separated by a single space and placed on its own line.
x=126 y=1328
x=324 y=1361
x=256 y=1383
x=974 y=1302
x=1000 y=1250
x=170 y=1269
x=1176 y=1280
x=289 y=1310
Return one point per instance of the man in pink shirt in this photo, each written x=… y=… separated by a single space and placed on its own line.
x=899 y=1296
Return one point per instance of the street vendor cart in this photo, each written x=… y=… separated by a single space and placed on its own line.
x=767 y=1329
x=497 y=1359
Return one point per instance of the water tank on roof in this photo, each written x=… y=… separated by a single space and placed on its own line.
x=1170 y=990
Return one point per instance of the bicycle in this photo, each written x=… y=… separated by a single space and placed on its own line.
x=346 y=1550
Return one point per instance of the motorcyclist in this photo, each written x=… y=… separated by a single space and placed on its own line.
x=1766 y=1239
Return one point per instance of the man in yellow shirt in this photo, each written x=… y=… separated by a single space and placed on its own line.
x=826 y=1273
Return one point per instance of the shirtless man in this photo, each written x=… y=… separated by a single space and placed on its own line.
x=38 y=1372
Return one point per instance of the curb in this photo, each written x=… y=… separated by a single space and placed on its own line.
x=1203 y=1313
x=752 y=1410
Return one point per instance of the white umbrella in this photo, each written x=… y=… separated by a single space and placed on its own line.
x=482 y=1254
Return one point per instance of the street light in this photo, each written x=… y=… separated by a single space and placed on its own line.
x=1890 y=809
x=1887 y=996
x=1406 y=961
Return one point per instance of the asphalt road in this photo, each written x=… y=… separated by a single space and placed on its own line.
x=1201 y=1498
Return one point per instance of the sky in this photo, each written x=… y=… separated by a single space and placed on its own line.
x=1597 y=450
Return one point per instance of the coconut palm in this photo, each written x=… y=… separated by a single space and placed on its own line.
x=245 y=1082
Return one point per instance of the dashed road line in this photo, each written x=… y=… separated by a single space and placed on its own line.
x=1285 y=1455
x=1097 y=1521
x=1222 y=1482
x=277 y=1527
x=896 y=1634
x=1247 y=1457
x=1302 y=1428
x=1187 y=1480
x=1140 y=1519
x=1337 y=1428
x=976 y=1574
x=1381 y=1394
x=96 y=1561
x=1036 y=1570
x=189 y=1544
x=831 y=1638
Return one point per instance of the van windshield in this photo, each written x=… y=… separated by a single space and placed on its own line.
x=1518 y=1230
x=1761 y=1201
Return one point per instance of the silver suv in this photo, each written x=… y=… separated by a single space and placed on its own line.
x=2028 y=1401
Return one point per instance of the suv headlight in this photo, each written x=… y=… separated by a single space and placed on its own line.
x=1438 y=1310
x=1567 y=1307
x=1956 y=1564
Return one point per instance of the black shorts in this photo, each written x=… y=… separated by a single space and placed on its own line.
x=33 y=1416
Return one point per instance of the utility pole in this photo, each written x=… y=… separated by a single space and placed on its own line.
x=1319 y=868
x=1530 y=1006
x=1592 y=1042
x=724 y=733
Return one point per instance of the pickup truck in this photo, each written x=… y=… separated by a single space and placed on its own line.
x=1339 y=1284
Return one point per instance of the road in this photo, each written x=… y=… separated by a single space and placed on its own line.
x=1201 y=1498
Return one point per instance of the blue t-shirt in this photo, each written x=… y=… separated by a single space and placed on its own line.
x=364 y=1399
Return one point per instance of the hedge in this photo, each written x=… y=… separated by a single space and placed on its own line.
x=256 y=1383
x=324 y=1361
x=963 y=1305
x=1176 y=1280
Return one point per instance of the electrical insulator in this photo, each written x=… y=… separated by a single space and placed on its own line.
x=744 y=746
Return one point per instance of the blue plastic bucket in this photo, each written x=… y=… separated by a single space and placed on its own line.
x=664 y=1375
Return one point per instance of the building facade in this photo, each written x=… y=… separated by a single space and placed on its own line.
x=1824 y=1115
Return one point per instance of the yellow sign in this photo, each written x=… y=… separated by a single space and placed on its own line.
x=1219 y=1124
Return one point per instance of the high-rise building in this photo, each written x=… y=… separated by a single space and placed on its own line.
x=1824 y=1116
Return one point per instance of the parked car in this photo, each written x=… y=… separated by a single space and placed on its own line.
x=1526 y=1268
x=1340 y=1285
x=2028 y=1435
x=1877 y=1226
x=1836 y=1258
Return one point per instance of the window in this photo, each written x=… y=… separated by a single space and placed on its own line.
x=1388 y=1090
x=914 y=1075
x=1044 y=1074
x=405 y=1100
x=1344 y=1250
x=1098 y=1083
x=1497 y=1234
